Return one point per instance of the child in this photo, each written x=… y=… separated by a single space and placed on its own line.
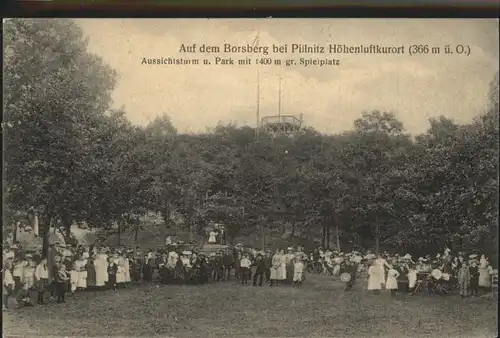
x=112 y=270
x=147 y=270
x=463 y=279
x=392 y=281
x=8 y=284
x=298 y=271
x=412 y=278
x=41 y=279
x=245 y=265
x=474 y=278
x=62 y=280
x=350 y=268
x=28 y=281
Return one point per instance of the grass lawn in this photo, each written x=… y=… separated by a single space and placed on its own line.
x=320 y=308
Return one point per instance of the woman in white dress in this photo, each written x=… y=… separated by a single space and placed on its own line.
x=120 y=273
x=392 y=281
x=74 y=275
x=276 y=264
x=485 y=271
x=374 y=278
x=381 y=263
x=101 y=269
x=282 y=269
x=126 y=265
x=212 y=238
x=82 y=273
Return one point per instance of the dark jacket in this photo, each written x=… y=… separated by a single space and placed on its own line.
x=261 y=264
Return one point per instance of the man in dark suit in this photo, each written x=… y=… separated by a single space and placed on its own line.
x=228 y=263
x=262 y=267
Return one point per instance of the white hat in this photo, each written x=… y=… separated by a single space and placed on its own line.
x=290 y=248
x=14 y=246
x=407 y=256
x=472 y=256
x=447 y=250
x=420 y=258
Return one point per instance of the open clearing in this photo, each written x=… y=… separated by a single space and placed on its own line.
x=227 y=309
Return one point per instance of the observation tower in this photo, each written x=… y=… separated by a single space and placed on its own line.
x=279 y=125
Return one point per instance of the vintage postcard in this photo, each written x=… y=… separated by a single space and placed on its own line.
x=250 y=177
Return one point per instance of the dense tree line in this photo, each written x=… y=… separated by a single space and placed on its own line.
x=75 y=159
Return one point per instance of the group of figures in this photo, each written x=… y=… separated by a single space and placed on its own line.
x=68 y=268
x=471 y=274
x=216 y=234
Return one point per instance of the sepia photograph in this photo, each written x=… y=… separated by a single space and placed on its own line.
x=250 y=177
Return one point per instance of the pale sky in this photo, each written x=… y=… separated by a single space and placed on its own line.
x=329 y=97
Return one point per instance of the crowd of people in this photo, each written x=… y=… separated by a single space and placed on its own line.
x=33 y=277
x=471 y=274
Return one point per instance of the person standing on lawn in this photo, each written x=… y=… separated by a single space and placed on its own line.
x=392 y=281
x=260 y=270
x=62 y=281
x=112 y=271
x=298 y=271
x=289 y=265
x=8 y=283
x=474 y=277
x=463 y=279
x=245 y=265
x=485 y=272
x=41 y=280
x=374 y=278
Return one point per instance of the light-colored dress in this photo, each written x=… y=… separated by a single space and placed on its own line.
x=412 y=278
x=282 y=268
x=120 y=272
x=392 y=281
x=276 y=263
x=73 y=276
x=28 y=276
x=212 y=239
x=298 y=270
x=336 y=265
x=485 y=271
x=374 y=278
x=381 y=264
x=101 y=270
x=126 y=265
x=82 y=274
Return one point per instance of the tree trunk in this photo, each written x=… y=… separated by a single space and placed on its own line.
x=323 y=237
x=119 y=232
x=377 y=238
x=327 y=235
x=167 y=211
x=337 y=235
x=14 y=235
x=136 y=234
x=44 y=231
